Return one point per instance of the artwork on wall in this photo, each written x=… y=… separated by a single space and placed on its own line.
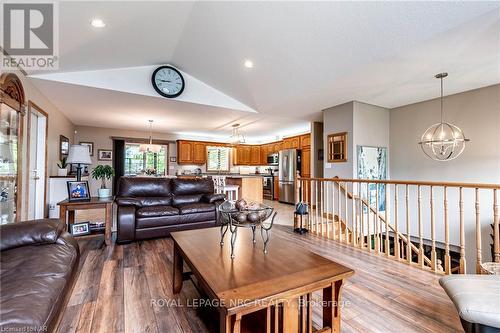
x=105 y=154
x=63 y=147
x=372 y=164
x=90 y=145
x=72 y=170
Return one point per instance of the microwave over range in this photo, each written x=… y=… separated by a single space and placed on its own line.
x=273 y=159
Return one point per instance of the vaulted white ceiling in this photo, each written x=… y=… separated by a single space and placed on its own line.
x=308 y=56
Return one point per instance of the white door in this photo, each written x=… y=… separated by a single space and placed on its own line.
x=36 y=169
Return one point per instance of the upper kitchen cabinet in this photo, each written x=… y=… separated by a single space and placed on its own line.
x=305 y=141
x=191 y=152
x=264 y=151
x=291 y=143
x=199 y=153
x=255 y=155
x=184 y=152
x=242 y=155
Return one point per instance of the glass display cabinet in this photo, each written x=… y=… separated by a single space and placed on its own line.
x=11 y=132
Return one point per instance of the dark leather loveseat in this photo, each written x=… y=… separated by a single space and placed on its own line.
x=38 y=261
x=155 y=207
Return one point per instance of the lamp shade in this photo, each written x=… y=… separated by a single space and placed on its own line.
x=78 y=154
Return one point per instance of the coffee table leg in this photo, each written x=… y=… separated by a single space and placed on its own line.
x=331 y=307
x=177 y=271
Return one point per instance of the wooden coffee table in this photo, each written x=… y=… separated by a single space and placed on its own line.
x=275 y=287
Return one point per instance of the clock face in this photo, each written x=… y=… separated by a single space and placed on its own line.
x=168 y=81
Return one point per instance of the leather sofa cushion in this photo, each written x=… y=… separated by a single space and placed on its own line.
x=186 y=199
x=143 y=187
x=195 y=208
x=153 y=211
x=156 y=221
x=192 y=186
x=35 y=280
x=144 y=201
x=44 y=231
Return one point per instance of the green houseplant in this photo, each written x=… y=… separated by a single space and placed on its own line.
x=103 y=172
x=62 y=170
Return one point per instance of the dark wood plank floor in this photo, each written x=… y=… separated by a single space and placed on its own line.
x=128 y=288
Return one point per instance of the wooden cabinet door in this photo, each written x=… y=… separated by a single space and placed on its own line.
x=255 y=155
x=278 y=146
x=199 y=153
x=295 y=142
x=238 y=155
x=246 y=155
x=263 y=154
x=306 y=162
x=184 y=152
x=305 y=140
x=287 y=144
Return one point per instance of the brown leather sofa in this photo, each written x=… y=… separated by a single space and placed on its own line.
x=38 y=264
x=155 y=207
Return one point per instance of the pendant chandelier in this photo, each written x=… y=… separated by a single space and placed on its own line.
x=443 y=141
x=236 y=137
x=150 y=147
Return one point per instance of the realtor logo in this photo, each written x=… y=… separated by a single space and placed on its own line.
x=29 y=36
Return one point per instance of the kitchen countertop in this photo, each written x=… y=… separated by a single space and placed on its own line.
x=232 y=175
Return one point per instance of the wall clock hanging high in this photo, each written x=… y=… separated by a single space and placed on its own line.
x=167 y=81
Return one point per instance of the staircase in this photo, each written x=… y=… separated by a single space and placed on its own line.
x=407 y=221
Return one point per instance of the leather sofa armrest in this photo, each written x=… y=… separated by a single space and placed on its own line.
x=212 y=198
x=125 y=224
x=128 y=201
x=14 y=235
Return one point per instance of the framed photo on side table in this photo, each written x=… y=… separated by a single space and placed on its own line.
x=78 y=190
x=80 y=229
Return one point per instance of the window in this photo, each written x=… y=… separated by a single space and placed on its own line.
x=337 y=147
x=140 y=163
x=217 y=159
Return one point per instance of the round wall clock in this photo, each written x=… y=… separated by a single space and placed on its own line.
x=168 y=81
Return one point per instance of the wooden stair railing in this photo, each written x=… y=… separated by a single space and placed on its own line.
x=350 y=211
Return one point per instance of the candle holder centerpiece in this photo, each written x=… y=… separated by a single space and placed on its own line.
x=236 y=214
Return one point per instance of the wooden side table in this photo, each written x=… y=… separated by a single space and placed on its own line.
x=93 y=203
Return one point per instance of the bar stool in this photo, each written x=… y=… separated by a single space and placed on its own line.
x=220 y=186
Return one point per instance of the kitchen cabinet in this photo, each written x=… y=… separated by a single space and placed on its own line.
x=199 y=153
x=277 y=147
x=184 y=152
x=305 y=141
x=306 y=162
x=255 y=155
x=242 y=155
x=291 y=143
x=276 y=188
x=264 y=151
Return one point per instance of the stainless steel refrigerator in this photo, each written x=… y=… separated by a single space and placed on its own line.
x=289 y=164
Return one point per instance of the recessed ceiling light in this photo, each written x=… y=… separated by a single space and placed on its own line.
x=97 y=23
x=248 y=64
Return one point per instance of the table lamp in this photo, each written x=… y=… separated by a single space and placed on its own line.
x=79 y=155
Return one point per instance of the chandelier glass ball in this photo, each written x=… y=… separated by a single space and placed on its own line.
x=443 y=141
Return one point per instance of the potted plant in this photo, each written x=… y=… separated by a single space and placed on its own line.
x=62 y=170
x=103 y=172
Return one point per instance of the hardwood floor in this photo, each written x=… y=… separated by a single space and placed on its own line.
x=128 y=288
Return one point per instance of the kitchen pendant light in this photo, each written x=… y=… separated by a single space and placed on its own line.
x=236 y=137
x=443 y=141
x=150 y=147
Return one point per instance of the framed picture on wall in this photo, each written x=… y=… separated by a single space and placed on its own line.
x=63 y=147
x=90 y=145
x=372 y=164
x=105 y=155
x=72 y=170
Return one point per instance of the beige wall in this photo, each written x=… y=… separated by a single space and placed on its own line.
x=477 y=113
x=58 y=124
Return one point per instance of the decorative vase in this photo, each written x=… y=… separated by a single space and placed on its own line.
x=104 y=192
x=62 y=172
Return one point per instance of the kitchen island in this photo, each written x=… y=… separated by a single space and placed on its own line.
x=250 y=186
